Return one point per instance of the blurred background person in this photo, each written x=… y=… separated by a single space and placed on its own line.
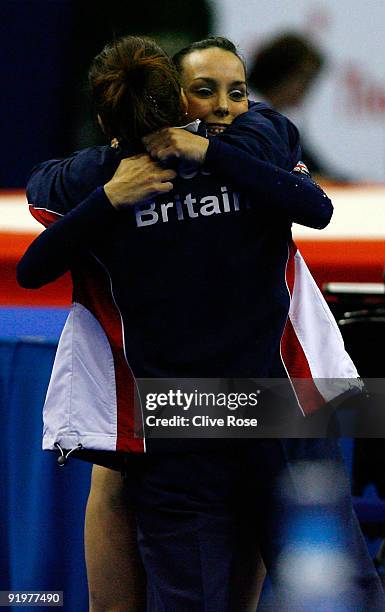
x=282 y=73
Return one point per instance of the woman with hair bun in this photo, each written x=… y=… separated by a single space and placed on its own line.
x=165 y=274
x=125 y=77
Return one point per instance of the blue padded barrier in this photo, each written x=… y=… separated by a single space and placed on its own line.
x=41 y=505
x=20 y=321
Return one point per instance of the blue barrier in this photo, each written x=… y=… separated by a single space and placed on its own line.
x=20 y=321
x=42 y=505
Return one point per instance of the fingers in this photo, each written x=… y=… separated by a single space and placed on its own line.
x=170 y=142
x=163 y=153
x=145 y=166
x=158 y=142
x=159 y=176
x=156 y=189
x=166 y=153
x=143 y=157
x=167 y=174
x=176 y=143
x=136 y=179
x=162 y=188
x=154 y=137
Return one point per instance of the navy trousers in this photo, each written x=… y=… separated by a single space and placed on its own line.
x=198 y=512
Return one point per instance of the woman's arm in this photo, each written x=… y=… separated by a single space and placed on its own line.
x=54 y=251
x=265 y=134
x=255 y=155
x=295 y=197
x=69 y=236
x=292 y=195
x=61 y=184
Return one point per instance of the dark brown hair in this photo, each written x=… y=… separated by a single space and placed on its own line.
x=218 y=42
x=135 y=88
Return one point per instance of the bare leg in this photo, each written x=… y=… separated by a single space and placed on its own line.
x=250 y=586
x=115 y=574
x=116 y=577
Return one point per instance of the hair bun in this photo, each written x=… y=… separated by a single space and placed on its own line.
x=135 y=88
x=133 y=69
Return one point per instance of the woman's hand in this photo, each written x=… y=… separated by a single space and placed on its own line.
x=176 y=142
x=136 y=179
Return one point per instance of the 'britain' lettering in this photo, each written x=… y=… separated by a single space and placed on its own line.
x=149 y=213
